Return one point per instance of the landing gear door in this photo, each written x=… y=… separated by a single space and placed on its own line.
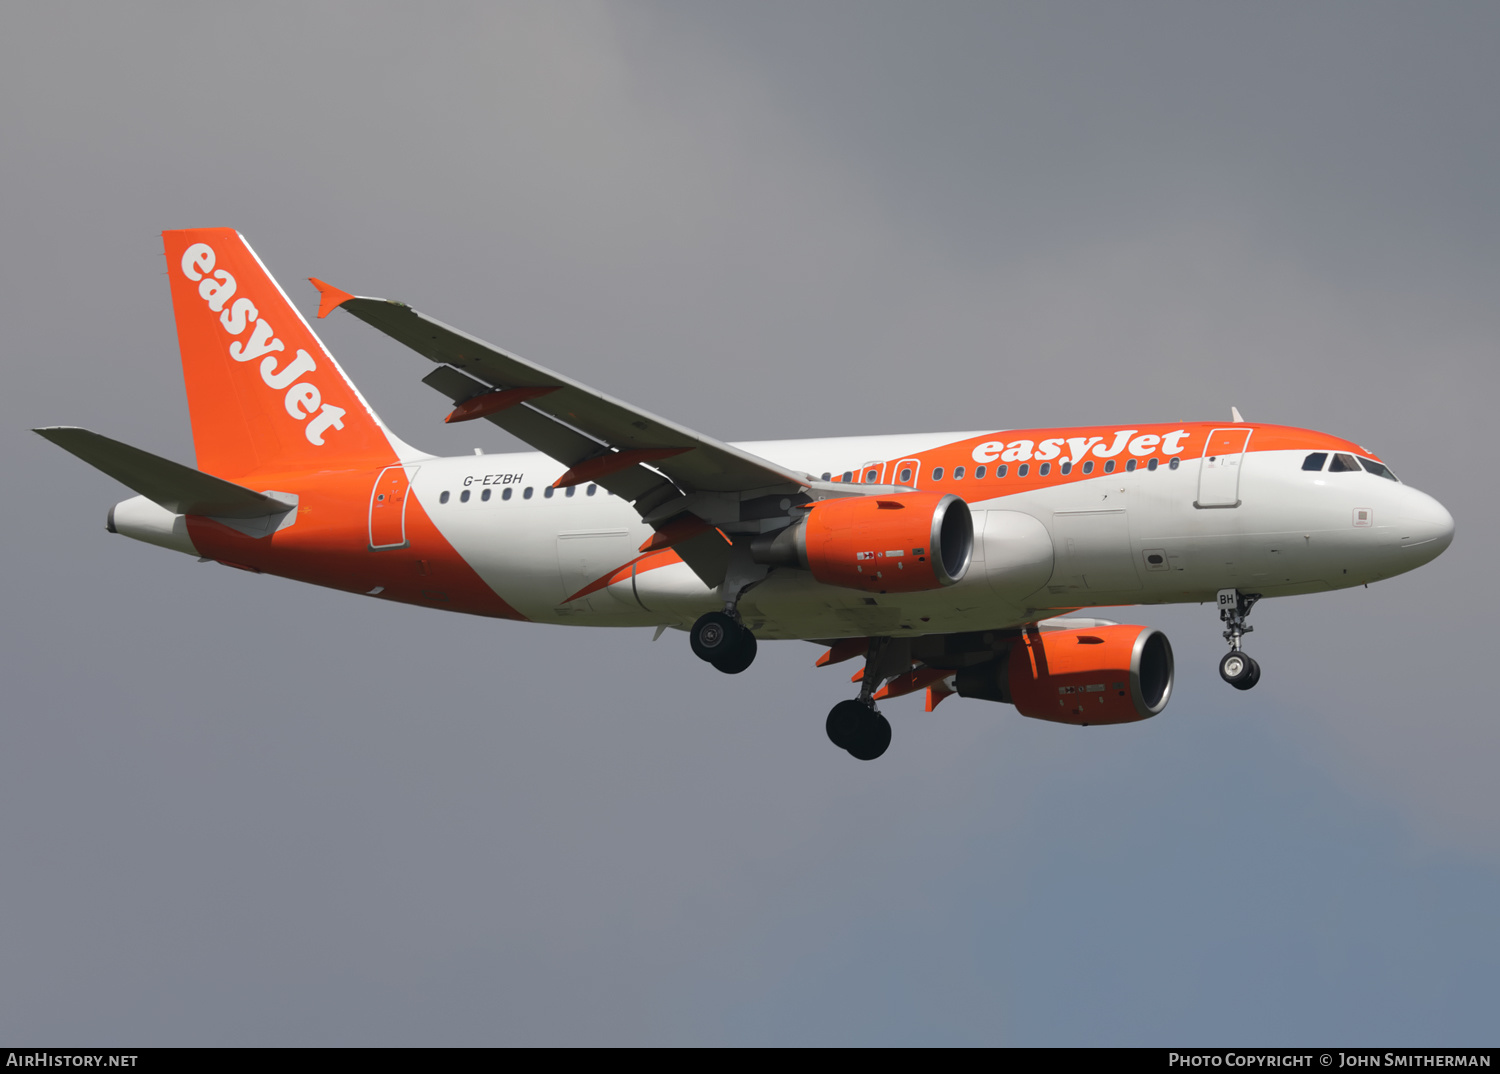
x=388 y=507
x=1219 y=472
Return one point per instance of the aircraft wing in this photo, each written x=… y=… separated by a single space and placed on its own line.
x=580 y=427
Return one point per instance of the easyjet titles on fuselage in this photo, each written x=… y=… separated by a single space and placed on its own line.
x=1125 y=439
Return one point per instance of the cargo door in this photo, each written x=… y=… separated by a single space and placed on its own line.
x=1093 y=552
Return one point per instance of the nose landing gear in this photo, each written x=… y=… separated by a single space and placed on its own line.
x=1238 y=668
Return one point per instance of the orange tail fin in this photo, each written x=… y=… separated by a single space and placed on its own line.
x=264 y=394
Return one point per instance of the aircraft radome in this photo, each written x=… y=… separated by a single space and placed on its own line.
x=950 y=563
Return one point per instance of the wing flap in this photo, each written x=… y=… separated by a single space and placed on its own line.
x=178 y=488
x=705 y=464
x=547 y=435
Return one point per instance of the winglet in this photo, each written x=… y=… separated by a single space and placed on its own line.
x=332 y=299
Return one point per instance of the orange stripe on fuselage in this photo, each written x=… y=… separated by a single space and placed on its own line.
x=1009 y=448
x=663 y=557
x=329 y=545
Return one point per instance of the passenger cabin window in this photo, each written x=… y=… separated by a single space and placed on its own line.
x=870 y=476
x=1044 y=469
x=444 y=497
x=1066 y=467
x=958 y=473
x=937 y=473
x=572 y=489
x=906 y=475
x=505 y=495
x=1379 y=469
x=1088 y=467
x=485 y=495
x=463 y=497
x=592 y=489
x=1343 y=464
x=1315 y=461
x=979 y=472
x=826 y=476
x=848 y=475
x=548 y=491
x=1151 y=465
x=1001 y=471
x=527 y=494
x=1176 y=462
x=1023 y=469
x=1130 y=466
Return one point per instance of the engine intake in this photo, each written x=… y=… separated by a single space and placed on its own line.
x=1109 y=674
x=902 y=543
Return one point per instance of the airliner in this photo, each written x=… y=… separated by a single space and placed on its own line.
x=945 y=563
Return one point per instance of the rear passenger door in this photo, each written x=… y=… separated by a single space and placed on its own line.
x=388 y=507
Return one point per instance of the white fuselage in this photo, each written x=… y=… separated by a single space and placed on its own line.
x=1112 y=539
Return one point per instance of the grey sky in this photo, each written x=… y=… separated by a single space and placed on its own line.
x=236 y=810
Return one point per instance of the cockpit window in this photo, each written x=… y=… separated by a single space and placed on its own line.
x=1315 y=461
x=1342 y=464
x=1379 y=469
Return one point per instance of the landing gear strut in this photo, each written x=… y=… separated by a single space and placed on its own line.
x=723 y=641
x=857 y=726
x=1238 y=668
x=721 y=638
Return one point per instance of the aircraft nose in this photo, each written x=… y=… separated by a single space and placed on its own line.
x=1425 y=527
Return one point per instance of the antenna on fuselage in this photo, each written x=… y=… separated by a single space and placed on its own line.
x=1234 y=414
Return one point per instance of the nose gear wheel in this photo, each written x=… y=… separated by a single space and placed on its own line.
x=1238 y=668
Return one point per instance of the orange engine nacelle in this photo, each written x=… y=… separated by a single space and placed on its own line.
x=1107 y=674
x=902 y=543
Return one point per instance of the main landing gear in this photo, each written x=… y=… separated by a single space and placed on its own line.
x=1238 y=668
x=857 y=726
x=721 y=638
x=723 y=641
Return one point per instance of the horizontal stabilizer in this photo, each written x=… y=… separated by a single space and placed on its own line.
x=178 y=488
